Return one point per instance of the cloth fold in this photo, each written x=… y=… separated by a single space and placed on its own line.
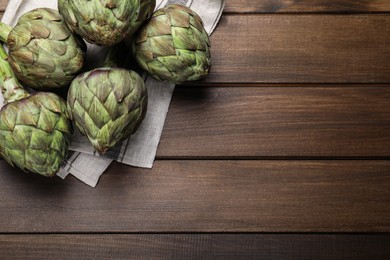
x=141 y=148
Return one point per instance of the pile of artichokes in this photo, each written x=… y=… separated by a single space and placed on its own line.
x=107 y=105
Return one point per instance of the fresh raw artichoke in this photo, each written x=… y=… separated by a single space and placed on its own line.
x=105 y=22
x=43 y=52
x=107 y=105
x=173 y=45
x=35 y=130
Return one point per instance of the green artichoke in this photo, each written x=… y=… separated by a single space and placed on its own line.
x=43 y=52
x=107 y=105
x=105 y=22
x=173 y=45
x=35 y=130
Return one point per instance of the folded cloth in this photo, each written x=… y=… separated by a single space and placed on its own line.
x=140 y=149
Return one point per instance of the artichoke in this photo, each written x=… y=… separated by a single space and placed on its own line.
x=105 y=22
x=107 y=105
x=43 y=52
x=173 y=45
x=35 y=130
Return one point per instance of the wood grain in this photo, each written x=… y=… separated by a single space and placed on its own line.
x=195 y=246
x=204 y=196
x=262 y=121
x=285 y=121
x=307 y=6
x=301 y=49
x=296 y=6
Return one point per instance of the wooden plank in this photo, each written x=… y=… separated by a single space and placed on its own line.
x=195 y=246
x=3 y=5
x=204 y=196
x=284 y=121
x=307 y=6
x=301 y=49
x=295 y=6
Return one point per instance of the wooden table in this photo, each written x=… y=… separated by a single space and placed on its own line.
x=282 y=152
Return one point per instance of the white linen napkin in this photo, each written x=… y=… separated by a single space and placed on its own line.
x=140 y=149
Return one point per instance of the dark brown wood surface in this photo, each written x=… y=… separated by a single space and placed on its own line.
x=195 y=246
x=296 y=6
x=284 y=49
x=289 y=134
x=205 y=196
x=307 y=6
x=278 y=121
x=301 y=49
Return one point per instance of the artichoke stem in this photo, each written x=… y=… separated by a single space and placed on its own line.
x=11 y=89
x=4 y=31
